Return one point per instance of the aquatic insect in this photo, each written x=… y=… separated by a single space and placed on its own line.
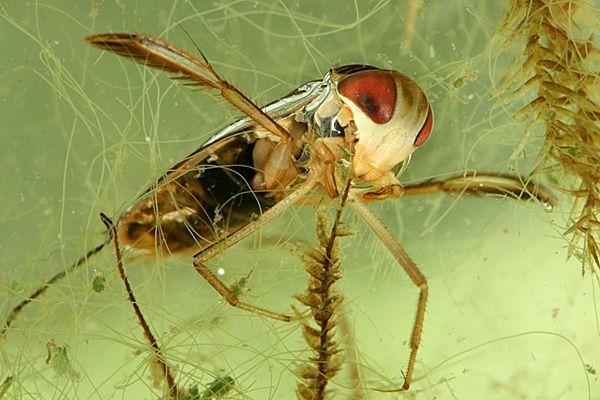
x=359 y=122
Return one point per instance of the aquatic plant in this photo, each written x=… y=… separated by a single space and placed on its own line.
x=556 y=67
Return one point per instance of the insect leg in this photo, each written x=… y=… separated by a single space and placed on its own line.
x=158 y=355
x=481 y=183
x=218 y=247
x=155 y=53
x=413 y=272
x=14 y=313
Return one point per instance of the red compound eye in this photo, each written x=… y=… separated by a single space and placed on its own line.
x=373 y=91
x=425 y=130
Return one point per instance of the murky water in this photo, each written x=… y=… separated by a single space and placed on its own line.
x=84 y=132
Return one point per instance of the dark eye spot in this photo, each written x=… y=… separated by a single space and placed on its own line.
x=373 y=91
x=368 y=105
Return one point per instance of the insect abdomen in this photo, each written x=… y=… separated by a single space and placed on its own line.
x=197 y=201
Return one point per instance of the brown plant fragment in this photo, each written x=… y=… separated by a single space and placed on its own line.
x=322 y=265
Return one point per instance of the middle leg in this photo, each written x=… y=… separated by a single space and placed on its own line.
x=217 y=248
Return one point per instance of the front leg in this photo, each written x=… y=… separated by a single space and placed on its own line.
x=484 y=183
x=472 y=183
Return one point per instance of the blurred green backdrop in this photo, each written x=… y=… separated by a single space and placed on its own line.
x=84 y=132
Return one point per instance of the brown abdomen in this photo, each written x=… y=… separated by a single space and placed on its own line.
x=197 y=201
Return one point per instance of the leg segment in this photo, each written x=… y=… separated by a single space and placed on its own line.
x=158 y=355
x=481 y=183
x=217 y=248
x=42 y=289
x=232 y=298
x=413 y=272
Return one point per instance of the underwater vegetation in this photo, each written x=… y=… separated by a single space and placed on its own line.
x=85 y=133
x=557 y=67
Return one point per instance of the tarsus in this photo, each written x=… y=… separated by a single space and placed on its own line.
x=82 y=260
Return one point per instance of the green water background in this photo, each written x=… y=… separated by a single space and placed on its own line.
x=84 y=132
